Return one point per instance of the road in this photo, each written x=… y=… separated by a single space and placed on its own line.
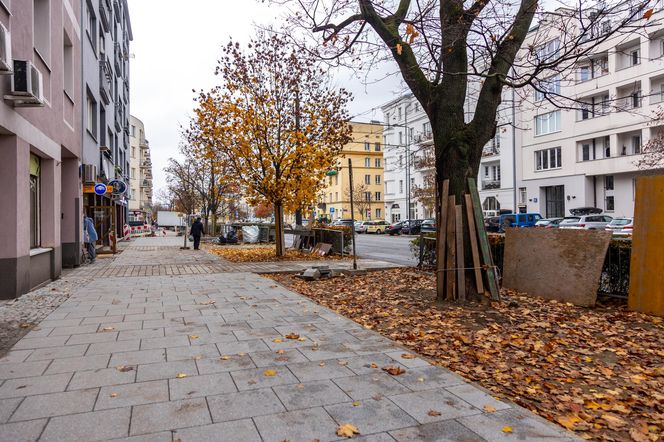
x=394 y=249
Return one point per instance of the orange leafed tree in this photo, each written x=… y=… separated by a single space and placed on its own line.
x=274 y=121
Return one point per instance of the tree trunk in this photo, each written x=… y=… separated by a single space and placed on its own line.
x=279 y=228
x=298 y=217
x=457 y=158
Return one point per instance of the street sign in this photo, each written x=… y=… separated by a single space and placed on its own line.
x=331 y=209
x=119 y=187
x=100 y=189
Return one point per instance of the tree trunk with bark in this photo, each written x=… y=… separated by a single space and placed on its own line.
x=279 y=229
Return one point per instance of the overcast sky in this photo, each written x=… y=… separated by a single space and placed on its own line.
x=175 y=48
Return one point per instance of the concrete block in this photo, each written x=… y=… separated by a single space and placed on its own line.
x=192 y=352
x=56 y=404
x=34 y=385
x=368 y=385
x=153 y=418
x=525 y=426
x=238 y=431
x=118 y=396
x=271 y=358
x=255 y=378
x=100 y=378
x=251 y=403
x=94 y=426
x=203 y=385
x=447 y=431
x=138 y=357
x=419 y=404
x=22 y=431
x=313 y=371
x=429 y=378
x=81 y=363
x=300 y=425
x=371 y=416
x=15 y=370
x=310 y=394
x=7 y=407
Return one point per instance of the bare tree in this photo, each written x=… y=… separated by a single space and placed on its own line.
x=445 y=48
x=361 y=198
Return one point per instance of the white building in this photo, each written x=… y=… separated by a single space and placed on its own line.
x=140 y=204
x=586 y=157
x=405 y=115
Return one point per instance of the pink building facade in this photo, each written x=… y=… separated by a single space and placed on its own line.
x=40 y=142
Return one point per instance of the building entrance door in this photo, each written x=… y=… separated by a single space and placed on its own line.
x=555 y=201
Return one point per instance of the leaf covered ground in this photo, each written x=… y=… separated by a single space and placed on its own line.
x=598 y=372
x=235 y=253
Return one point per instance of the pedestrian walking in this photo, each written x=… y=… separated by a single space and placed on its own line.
x=90 y=237
x=196 y=231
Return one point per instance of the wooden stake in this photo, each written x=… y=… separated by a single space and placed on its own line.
x=441 y=274
x=451 y=249
x=484 y=241
x=473 y=244
x=460 y=258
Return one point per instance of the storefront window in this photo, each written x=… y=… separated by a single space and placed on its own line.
x=35 y=201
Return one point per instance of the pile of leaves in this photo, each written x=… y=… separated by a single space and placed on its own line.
x=598 y=372
x=263 y=254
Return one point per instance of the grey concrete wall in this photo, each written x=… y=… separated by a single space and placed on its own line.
x=557 y=264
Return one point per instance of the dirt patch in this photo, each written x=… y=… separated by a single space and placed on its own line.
x=596 y=371
x=262 y=253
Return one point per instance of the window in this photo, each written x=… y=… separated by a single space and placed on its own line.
x=426 y=128
x=400 y=160
x=635 y=99
x=367 y=179
x=597 y=67
x=367 y=146
x=547 y=50
x=400 y=186
x=608 y=182
x=636 y=144
x=400 y=138
x=377 y=195
x=634 y=57
x=399 y=112
x=367 y=196
x=547 y=123
x=133 y=131
x=377 y=162
x=91 y=115
x=133 y=173
x=549 y=86
x=548 y=159
x=496 y=173
x=411 y=132
x=91 y=25
x=607 y=147
x=584 y=73
x=486 y=171
x=68 y=66
x=378 y=213
x=133 y=151
x=42 y=28
x=367 y=213
x=377 y=179
x=523 y=195
x=367 y=162
x=377 y=147
x=336 y=196
x=35 y=201
x=610 y=203
x=336 y=180
x=585 y=152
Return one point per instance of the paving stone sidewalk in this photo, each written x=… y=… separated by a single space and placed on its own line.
x=206 y=357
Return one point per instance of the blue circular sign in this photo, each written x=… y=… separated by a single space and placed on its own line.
x=119 y=187
x=100 y=189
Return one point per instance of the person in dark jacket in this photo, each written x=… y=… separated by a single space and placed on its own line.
x=196 y=231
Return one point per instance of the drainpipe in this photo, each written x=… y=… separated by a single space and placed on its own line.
x=594 y=191
x=514 y=151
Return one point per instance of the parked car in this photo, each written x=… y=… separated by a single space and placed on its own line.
x=411 y=227
x=519 y=220
x=549 y=223
x=361 y=226
x=378 y=226
x=621 y=226
x=587 y=222
x=492 y=225
x=394 y=229
x=343 y=222
x=579 y=211
x=428 y=226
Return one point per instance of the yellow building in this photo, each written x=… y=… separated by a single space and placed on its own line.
x=366 y=154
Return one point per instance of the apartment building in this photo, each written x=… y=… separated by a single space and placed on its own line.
x=40 y=142
x=140 y=174
x=587 y=156
x=409 y=167
x=366 y=153
x=106 y=32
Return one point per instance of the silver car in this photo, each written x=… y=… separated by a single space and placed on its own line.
x=587 y=222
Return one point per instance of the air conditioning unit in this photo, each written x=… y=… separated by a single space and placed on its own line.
x=90 y=173
x=6 y=66
x=26 y=86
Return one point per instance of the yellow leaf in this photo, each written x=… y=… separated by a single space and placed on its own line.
x=181 y=375
x=292 y=336
x=347 y=430
x=280 y=352
x=301 y=339
x=114 y=395
x=399 y=49
x=277 y=340
x=193 y=337
x=108 y=328
x=568 y=421
x=408 y=356
x=225 y=358
x=270 y=373
x=489 y=409
x=592 y=405
x=434 y=413
x=648 y=14
x=507 y=429
x=356 y=404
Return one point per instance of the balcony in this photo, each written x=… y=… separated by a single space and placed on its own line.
x=105 y=83
x=146 y=183
x=146 y=164
x=104 y=15
x=118 y=58
x=490 y=184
